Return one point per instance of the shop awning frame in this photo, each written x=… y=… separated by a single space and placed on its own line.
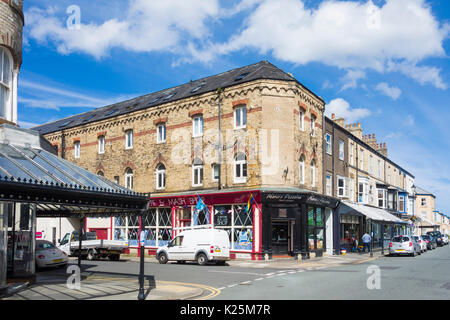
x=373 y=213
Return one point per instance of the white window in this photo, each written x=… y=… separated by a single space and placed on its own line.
x=328 y=185
x=215 y=172
x=363 y=191
x=423 y=202
x=129 y=139
x=389 y=174
x=160 y=177
x=117 y=179
x=382 y=195
x=302 y=119
x=342 y=187
x=351 y=189
x=379 y=169
x=352 y=156
x=401 y=203
x=341 y=150
x=197 y=173
x=161 y=133
x=197 y=126
x=101 y=144
x=328 y=143
x=129 y=178
x=240 y=168
x=5 y=82
x=240 y=117
x=361 y=159
x=313 y=125
x=77 y=149
x=370 y=164
x=313 y=173
x=302 y=170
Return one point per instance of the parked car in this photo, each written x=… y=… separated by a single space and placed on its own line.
x=47 y=255
x=422 y=243
x=400 y=245
x=431 y=242
x=200 y=245
x=445 y=239
x=438 y=236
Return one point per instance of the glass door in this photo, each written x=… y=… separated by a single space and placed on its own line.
x=316 y=229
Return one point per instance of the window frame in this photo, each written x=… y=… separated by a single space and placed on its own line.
x=328 y=185
x=313 y=173
x=341 y=150
x=302 y=119
x=129 y=139
x=77 y=149
x=197 y=172
x=129 y=178
x=197 y=130
x=161 y=173
x=213 y=177
x=329 y=144
x=242 y=110
x=159 y=138
x=313 y=125
x=242 y=164
x=101 y=144
x=302 y=170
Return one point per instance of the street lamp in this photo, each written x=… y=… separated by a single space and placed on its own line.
x=141 y=295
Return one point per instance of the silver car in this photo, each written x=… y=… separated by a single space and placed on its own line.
x=400 y=245
x=445 y=239
x=422 y=243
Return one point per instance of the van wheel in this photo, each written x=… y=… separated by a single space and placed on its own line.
x=162 y=258
x=202 y=259
x=91 y=255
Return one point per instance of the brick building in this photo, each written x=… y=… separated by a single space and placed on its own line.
x=11 y=25
x=168 y=143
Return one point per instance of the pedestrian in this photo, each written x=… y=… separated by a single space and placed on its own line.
x=366 y=238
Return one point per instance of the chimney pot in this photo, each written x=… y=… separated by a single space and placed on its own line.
x=374 y=135
x=359 y=124
x=332 y=116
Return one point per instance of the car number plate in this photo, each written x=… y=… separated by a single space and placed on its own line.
x=400 y=250
x=57 y=260
x=218 y=250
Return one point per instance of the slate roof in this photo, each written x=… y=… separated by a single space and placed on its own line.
x=420 y=191
x=257 y=71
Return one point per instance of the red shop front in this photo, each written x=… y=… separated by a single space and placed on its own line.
x=167 y=215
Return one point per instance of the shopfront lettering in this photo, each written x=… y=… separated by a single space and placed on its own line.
x=284 y=197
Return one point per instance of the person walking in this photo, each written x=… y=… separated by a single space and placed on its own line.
x=366 y=238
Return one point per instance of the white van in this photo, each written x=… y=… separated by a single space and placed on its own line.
x=201 y=245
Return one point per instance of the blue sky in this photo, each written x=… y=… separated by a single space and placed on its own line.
x=383 y=63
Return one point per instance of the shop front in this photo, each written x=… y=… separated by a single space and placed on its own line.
x=260 y=223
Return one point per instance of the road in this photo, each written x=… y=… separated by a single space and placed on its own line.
x=422 y=277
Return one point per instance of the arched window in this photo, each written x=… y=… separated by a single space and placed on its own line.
x=129 y=178
x=197 y=173
x=240 y=168
x=5 y=82
x=301 y=172
x=160 y=176
x=313 y=173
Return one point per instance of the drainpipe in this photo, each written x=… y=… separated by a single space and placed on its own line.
x=219 y=187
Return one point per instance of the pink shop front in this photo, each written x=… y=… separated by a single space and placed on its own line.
x=225 y=210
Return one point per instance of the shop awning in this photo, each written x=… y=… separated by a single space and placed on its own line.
x=29 y=173
x=373 y=213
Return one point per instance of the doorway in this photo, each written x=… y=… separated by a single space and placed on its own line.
x=283 y=237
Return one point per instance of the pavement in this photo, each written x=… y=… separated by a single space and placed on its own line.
x=100 y=287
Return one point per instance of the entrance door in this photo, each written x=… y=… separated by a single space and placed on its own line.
x=282 y=237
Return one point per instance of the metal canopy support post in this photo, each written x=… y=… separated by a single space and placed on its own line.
x=141 y=295
x=80 y=236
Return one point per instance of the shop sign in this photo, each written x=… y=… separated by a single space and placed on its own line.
x=174 y=202
x=243 y=238
x=38 y=235
x=322 y=201
x=286 y=197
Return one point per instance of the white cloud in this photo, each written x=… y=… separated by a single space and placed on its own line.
x=148 y=26
x=351 y=79
x=346 y=34
x=341 y=108
x=392 y=92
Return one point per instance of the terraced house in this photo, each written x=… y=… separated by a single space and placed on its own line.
x=247 y=142
x=377 y=194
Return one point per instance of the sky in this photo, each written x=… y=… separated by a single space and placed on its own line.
x=383 y=63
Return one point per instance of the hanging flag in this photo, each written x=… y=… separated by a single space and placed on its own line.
x=200 y=204
x=251 y=200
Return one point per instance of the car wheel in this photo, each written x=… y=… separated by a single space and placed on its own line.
x=414 y=253
x=162 y=258
x=202 y=259
x=91 y=255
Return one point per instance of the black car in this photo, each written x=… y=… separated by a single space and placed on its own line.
x=438 y=236
x=430 y=240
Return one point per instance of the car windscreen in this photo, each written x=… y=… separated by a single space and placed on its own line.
x=45 y=245
x=426 y=237
x=400 y=239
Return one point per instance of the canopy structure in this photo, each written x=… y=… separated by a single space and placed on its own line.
x=30 y=173
x=373 y=213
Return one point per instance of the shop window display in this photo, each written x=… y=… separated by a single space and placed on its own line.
x=315 y=228
x=238 y=224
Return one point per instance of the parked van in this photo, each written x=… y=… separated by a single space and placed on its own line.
x=201 y=245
